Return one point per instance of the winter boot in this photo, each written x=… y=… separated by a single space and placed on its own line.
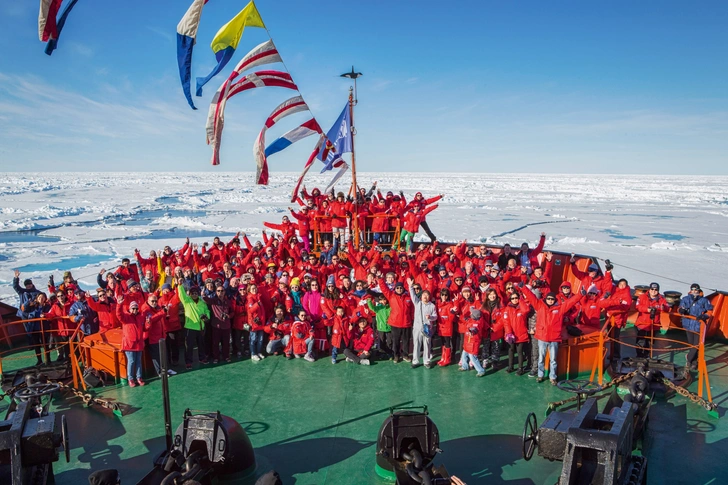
x=445 y=359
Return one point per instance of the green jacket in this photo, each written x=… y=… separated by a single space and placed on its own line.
x=382 y=313
x=193 y=310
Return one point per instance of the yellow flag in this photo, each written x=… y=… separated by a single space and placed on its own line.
x=229 y=34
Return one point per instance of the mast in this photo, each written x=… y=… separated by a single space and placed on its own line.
x=355 y=225
x=353 y=100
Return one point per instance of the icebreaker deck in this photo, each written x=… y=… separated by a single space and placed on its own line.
x=317 y=423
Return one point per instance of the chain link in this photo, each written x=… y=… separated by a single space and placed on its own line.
x=615 y=382
x=708 y=405
x=87 y=398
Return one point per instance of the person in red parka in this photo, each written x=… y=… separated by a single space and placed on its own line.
x=617 y=306
x=169 y=301
x=447 y=313
x=304 y=226
x=339 y=210
x=399 y=319
x=549 y=323
x=60 y=324
x=105 y=308
x=471 y=343
x=154 y=316
x=302 y=338
x=515 y=323
x=132 y=341
x=649 y=305
x=422 y=203
x=255 y=312
x=361 y=339
x=339 y=332
x=491 y=309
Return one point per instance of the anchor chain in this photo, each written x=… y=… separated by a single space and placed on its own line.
x=86 y=397
x=614 y=382
x=708 y=405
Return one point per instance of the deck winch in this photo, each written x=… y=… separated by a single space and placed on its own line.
x=596 y=447
x=31 y=436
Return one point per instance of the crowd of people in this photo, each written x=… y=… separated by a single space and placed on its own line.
x=379 y=300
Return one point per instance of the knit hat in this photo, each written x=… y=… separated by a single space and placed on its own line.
x=399 y=284
x=593 y=289
x=283 y=281
x=694 y=286
x=330 y=280
x=295 y=282
x=27 y=282
x=593 y=267
x=467 y=288
x=133 y=305
x=551 y=295
x=566 y=284
x=654 y=286
x=482 y=279
x=475 y=314
x=166 y=286
x=130 y=282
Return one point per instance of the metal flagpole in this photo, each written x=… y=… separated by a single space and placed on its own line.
x=355 y=224
x=352 y=102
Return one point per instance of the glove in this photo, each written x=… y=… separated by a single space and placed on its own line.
x=299 y=335
x=473 y=330
x=608 y=265
x=349 y=198
x=583 y=291
x=520 y=285
x=652 y=313
x=683 y=311
x=510 y=338
x=256 y=320
x=50 y=281
x=401 y=194
x=323 y=315
x=704 y=317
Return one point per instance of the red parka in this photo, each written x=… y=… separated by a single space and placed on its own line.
x=132 y=327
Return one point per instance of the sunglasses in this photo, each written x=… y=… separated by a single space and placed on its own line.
x=515 y=298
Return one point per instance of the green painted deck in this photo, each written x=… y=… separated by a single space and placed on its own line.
x=317 y=423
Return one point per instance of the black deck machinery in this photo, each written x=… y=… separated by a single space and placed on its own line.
x=595 y=447
x=31 y=437
x=206 y=447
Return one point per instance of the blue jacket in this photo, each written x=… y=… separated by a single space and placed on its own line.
x=25 y=296
x=696 y=306
x=80 y=311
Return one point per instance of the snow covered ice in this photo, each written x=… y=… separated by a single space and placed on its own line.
x=672 y=226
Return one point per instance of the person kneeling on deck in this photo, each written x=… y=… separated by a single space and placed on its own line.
x=422 y=330
x=361 y=339
x=301 y=344
x=649 y=305
x=696 y=306
x=471 y=343
x=549 y=321
x=278 y=330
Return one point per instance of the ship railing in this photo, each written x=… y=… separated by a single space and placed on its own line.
x=388 y=239
x=51 y=339
x=606 y=338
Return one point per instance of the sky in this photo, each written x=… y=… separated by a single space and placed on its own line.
x=482 y=86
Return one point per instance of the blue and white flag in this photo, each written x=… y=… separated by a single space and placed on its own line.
x=299 y=133
x=338 y=140
x=186 y=36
